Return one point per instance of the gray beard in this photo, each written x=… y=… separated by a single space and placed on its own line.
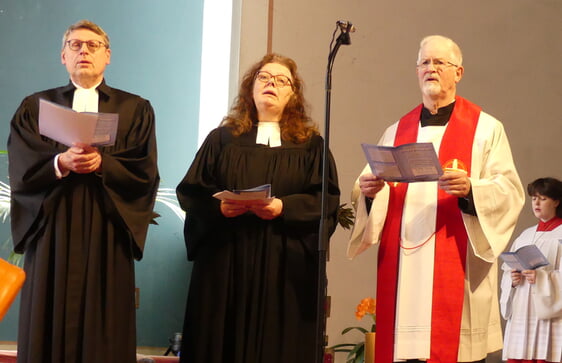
x=432 y=89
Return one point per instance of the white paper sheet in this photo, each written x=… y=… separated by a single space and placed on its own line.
x=67 y=126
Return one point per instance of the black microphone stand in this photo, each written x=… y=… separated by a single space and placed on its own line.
x=344 y=39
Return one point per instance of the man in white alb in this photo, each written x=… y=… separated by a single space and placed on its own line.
x=438 y=241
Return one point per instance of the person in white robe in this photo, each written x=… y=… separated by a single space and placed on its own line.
x=531 y=300
x=481 y=200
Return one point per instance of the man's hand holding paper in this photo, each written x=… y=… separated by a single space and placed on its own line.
x=370 y=185
x=81 y=159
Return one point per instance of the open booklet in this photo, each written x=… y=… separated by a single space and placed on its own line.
x=262 y=192
x=67 y=126
x=412 y=162
x=528 y=257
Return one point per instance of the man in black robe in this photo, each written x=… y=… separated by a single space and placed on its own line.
x=81 y=215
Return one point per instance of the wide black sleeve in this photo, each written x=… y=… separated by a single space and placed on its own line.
x=302 y=211
x=195 y=192
x=130 y=174
x=31 y=170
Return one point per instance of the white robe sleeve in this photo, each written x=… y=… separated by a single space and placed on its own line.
x=368 y=225
x=496 y=188
x=547 y=292
x=507 y=291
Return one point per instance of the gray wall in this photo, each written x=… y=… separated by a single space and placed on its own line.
x=513 y=69
x=156 y=50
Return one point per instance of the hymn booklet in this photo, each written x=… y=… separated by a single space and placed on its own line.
x=67 y=126
x=528 y=257
x=262 y=192
x=414 y=162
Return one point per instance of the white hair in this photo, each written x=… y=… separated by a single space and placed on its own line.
x=455 y=49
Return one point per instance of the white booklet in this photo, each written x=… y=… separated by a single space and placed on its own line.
x=528 y=257
x=412 y=162
x=262 y=192
x=67 y=126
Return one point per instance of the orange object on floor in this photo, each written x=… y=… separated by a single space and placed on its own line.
x=157 y=359
x=8 y=356
x=11 y=281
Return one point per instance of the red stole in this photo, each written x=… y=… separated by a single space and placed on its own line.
x=450 y=243
x=549 y=225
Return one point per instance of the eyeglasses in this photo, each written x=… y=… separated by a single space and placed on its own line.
x=438 y=64
x=279 y=80
x=93 y=45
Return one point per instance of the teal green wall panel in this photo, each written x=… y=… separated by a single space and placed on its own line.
x=156 y=53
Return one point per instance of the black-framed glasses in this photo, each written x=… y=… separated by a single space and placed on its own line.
x=279 y=80
x=438 y=64
x=93 y=45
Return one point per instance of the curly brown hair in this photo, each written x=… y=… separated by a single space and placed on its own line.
x=295 y=124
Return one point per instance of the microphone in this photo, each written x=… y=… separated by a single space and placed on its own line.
x=346 y=26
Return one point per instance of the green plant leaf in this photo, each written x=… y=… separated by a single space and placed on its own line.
x=359 y=348
x=16 y=259
x=338 y=347
x=345 y=217
x=356 y=355
x=361 y=329
x=341 y=350
x=360 y=356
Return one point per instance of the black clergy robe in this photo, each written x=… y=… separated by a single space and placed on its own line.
x=80 y=234
x=252 y=296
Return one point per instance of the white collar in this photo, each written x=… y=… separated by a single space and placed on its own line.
x=269 y=133
x=85 y=99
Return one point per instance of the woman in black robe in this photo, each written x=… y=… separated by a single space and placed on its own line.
x=252 y=295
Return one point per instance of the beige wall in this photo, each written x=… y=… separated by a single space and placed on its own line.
x=513 y=69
